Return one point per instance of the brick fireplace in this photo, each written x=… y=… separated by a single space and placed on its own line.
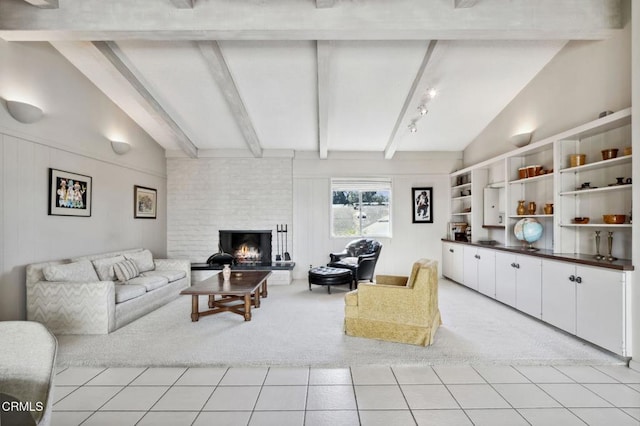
x=247 y=246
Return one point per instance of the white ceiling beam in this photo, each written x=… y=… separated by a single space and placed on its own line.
x=392 y=144
x=121 y=63
x=183 y=4
x=461 y=4
x=325 y=4
x=220 y=72
x=324 y=56
x=90 y=20
x=44 y=4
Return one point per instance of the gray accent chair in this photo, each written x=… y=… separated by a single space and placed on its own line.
x=27 y=362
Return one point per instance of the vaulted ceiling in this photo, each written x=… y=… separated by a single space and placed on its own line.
x=258 y=76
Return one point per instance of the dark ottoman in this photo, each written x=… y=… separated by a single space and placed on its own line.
x=325 y=275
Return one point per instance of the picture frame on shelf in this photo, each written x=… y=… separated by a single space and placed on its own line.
x=69 y=194
x=145 y=202
x=422 y=199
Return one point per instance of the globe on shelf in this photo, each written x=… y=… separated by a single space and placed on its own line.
x=528 y=230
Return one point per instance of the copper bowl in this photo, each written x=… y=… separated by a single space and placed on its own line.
x=577 y=160
x=608 y=154
x=581 y=220
x=615 y=219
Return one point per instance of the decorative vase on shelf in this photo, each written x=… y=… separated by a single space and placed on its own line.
x=521 y=210
x=226 y=272
x=548 y=208
x=532 y=207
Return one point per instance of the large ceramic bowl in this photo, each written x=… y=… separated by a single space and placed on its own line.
x=614 y=218
x=608 y=154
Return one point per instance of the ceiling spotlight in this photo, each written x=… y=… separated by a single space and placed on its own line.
x=422 y=109
x=413 y=128
x=431 y=93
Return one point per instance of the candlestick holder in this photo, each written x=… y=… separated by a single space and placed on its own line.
x=598 y=256
x=610 y=258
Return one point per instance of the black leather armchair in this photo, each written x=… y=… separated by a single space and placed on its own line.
x=360 y=257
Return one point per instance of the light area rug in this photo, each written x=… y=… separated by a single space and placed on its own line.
x=298 y=327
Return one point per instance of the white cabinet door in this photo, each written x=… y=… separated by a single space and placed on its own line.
x=529 y=285
x=452 y=261
x=487 y=272
x=506 y=278
x=446 y=260
x=559 y=295
x=470 y=269
x=600 y=307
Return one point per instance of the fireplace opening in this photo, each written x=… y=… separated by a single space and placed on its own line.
x=247 y=246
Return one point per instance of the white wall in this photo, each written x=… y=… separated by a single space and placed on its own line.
x=209 y=194
x=72 y=136
x=635 y=130
x=582 y=80
x=312 y=241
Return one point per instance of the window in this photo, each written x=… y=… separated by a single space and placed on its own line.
x=361 y=207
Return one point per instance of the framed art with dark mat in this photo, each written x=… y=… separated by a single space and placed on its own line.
x=422 y=199
x=69 y=193
x=145 y=202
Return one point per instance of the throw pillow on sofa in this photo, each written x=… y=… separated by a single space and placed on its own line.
x=81 y=271
x=143 y=260
x=125 y=270
x=104 y=267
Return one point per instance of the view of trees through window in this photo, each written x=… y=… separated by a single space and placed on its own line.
x=361 y=213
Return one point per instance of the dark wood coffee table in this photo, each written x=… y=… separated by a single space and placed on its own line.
x=244 y=286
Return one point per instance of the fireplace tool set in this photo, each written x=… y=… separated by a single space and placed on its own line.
x=281 y=243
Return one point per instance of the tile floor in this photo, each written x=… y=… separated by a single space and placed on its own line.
x=399 y=395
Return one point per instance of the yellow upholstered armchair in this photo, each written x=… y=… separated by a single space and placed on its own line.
x=398 y=309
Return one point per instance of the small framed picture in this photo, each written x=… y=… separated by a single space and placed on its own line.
x=145 y=202
x=69 y=194
x=422 y=199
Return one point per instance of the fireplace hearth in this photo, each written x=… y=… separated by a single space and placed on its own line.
x=247 y=246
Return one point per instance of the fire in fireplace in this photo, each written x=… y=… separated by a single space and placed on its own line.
x=247 y=246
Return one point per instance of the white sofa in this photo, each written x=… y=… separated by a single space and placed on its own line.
x=83 y=295
x=27 y=362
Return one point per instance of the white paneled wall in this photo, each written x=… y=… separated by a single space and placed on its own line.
x=209 y=194
x=311 y=207
x=73 y=135
x=409 y=242
x=30 y=235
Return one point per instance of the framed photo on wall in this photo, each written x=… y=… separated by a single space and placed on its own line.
x=69 y=194
x=422 y=199
x=145 y=202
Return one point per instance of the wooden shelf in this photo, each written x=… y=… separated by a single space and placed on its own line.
x=463 y=197
x=597 y=225
x=599 y=164
x=463 y=186
x=602 y=189
x=531 y=179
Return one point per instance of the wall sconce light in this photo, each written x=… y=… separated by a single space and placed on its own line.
x=120 y=148
x=23 y=112
x=521 y=139
x=413 y=128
